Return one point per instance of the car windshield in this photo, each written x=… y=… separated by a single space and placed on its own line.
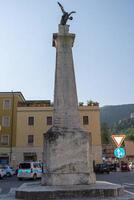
x=8 y=167
x=24 y=165
x=104 y=165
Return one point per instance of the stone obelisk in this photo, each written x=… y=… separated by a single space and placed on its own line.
x=67 y=148
x=65 y=95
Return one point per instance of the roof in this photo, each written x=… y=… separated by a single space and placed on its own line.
x=15 y=93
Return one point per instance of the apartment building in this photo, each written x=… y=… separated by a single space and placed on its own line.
x=34 y=118
x=23 y=123
x=8 y=118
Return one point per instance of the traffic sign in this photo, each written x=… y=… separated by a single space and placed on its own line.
x=118 y=139
x=119 y=152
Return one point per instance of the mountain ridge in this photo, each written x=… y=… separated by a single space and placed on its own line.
x=111 y=114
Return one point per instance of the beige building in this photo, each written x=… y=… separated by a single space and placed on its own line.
x=129 y=147
x=22 y=124
x=8 y=118
x=35 y=117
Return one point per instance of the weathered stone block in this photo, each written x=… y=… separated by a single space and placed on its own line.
x=67 y=153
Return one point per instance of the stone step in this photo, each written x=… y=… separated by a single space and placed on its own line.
x=103 y=190
x=127 y=196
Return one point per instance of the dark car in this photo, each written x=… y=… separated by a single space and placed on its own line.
x=102 y=168
x=112 y=167
x=124 y=166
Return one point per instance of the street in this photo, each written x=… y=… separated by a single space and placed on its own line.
x=9 y=184
x=123 y=178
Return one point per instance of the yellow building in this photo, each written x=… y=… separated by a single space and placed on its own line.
x=35 y=117
x=8 y=117
x=90 y=121
x=23 y=123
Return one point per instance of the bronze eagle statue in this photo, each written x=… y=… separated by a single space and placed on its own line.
x=65 y=15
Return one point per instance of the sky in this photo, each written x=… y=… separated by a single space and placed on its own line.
x=103 y=51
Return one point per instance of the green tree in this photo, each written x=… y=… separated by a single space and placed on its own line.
x=105 y=133
x=130 y=136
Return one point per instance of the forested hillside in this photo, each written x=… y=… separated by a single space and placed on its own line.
x=112 y=114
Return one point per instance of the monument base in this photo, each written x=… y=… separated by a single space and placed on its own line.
x=67 y=179
x=100 y=190
x=69 y=157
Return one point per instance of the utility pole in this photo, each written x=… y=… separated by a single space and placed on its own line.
x=12 y=127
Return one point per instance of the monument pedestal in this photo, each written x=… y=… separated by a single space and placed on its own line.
x=68 y=155
x=100 y=190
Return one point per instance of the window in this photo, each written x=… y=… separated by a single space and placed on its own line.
x=85 y=120
x=30 y=139
x=31 y=156
x=5 y=139
x=6 y=104
x=49 y=120
x=24 y=165
x=5 y=121
x=30 y=121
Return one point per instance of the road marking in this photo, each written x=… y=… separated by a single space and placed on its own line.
x=128 y=185
x=129 y=192
x=0 y=190
x=12 y=190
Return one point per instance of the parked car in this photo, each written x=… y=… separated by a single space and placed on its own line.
x=124 y=166
x=112 y=167
x=9 y=170
x=101 y=168
x=131 y=165
x=2 y=172
x=29 y=170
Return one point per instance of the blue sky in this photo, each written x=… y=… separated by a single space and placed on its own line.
x=103 y=50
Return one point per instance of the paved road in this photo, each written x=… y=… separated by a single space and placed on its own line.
x=123 y=178
x=8 y=187
x=9 y=184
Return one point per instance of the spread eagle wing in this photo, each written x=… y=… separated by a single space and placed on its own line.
x=71 y=13
x=61 y=7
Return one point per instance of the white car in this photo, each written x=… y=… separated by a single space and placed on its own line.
x=9 y=170
x=29 y=170
x=2 y=172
